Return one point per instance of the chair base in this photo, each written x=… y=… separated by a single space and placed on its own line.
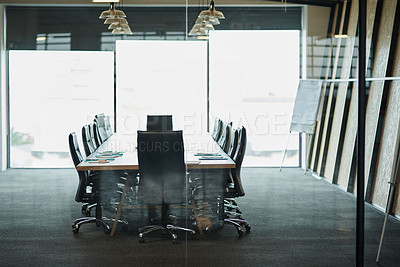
x=84 y=220
x=233 y=216
x=169 y=228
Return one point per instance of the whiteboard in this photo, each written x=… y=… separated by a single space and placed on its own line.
x=306 y=106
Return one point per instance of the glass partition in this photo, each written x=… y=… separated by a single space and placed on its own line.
x=53 y=93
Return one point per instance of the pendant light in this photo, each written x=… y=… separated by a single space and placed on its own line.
x=205 y=21
x=116 y=19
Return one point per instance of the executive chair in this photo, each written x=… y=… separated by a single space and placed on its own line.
x=159 y=123
x=234 y=143
x=109 y=130
x=215 y=129
x=162 y=177
x=99 y=119
x=225 y=140
x=93 y=135
x=233 y=214
x=87 y=141
x=96 y=134
x=218 y=129
x=83 y=195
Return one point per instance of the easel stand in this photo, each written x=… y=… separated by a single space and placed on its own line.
x=307 y=151
x=392 y=190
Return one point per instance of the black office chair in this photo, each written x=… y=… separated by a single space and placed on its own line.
x=159 y=123
x=87 y=141
x=215 y=129
x=233 y=214
x=92 y=135
x=83 y=195
x=234 y=143
x=225 y=140
x=96 y=134
x=99 y=119
x=162 y=176
x=109 y=130
x=218 y=130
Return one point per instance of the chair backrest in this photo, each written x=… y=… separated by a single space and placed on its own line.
x=77 y=158
x=215 y=129
x=162 y=166
x=220 y=126
x=234 y=143
x=225 y=139
x=159 y=123
x=87 y=141
x=96 y=135
x=99 y=119
x=109 y=130
x=92 y=135
x=238 y=158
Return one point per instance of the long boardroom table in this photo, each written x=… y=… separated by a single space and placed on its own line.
x=128 y=160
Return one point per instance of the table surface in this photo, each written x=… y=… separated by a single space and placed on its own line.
x=129 y=161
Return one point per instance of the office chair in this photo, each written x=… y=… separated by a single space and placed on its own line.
x=218 y=131
x=215 y=129
x=99 y=119
x=96 y=135
x=233 y=214
x=159 y=122
x=162 y=176
x=107 y=124
x=234 y=143
x=225 y=140
x=87 y=141
x=92 y=135
x=83 y=195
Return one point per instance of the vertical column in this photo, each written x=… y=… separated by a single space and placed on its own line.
x=3 y=92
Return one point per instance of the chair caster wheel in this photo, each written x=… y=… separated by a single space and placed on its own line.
x=141 y=240
x=175 y=241
x=84 y=209
x=107 y=231
x=248 y=227
x=75 y=229
x=240 y=232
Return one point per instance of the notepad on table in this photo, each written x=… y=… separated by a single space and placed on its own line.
x=106 y=156
x=100 y=161
x=207 y=154
x=212 y=158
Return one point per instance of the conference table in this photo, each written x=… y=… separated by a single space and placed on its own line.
x=119 y=152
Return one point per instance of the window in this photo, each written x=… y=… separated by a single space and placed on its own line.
x=161 y=77
x=253 y=82
x=53 y=93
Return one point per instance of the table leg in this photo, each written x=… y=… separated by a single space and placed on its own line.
x=120 y=206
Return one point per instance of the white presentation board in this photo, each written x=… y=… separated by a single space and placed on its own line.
x=306 y=106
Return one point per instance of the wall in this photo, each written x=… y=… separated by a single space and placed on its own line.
x=333 y=147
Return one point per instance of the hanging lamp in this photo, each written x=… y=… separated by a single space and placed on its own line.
x=116 y=19
x=205 y=21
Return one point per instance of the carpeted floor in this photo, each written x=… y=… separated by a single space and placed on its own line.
x=296 y=220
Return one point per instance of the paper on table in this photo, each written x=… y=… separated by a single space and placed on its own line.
x=100 y=161
x=207 y=154
x=211 y=158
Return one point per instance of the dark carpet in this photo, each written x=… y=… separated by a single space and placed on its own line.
x=296 y=220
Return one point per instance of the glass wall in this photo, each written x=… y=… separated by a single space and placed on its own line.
x=253 y=82
x=165 y=75
x=53 y=93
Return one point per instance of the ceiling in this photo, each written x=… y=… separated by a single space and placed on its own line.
x=181 y=2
